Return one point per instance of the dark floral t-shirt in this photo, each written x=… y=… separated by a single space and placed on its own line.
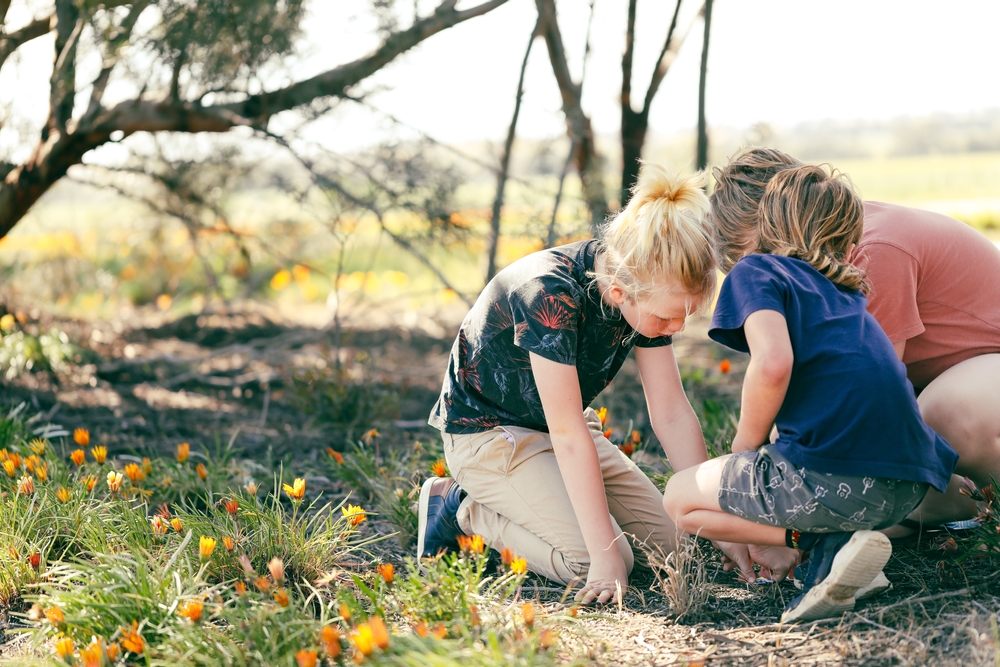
x=544 y=303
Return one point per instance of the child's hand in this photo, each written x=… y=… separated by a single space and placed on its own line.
x=742 y=444
x=775 y=562
x=606 y=580
x=736 y=555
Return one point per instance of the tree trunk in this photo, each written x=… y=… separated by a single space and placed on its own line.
x=702 y=159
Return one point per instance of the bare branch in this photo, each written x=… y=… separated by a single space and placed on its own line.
x=120 y=38
x=626 y=97
x=259 y=108
x=12 y=41
x=667 y=55
x=69 y=26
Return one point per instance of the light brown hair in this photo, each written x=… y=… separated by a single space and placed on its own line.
x=739 y=187
x=661 y=236
x=814 y=215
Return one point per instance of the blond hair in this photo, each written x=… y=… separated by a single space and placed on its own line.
x=661 y=235
x=739 y=187
x=814 y=215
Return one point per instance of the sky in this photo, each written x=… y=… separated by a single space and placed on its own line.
x=781 y=62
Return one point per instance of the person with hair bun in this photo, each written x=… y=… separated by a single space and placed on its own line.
x=933 y=289
x=533 y=472
x=852 y=454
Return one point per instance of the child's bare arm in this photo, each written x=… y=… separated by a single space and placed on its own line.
x=766 y=379
x=559 y=391
x=674 y=422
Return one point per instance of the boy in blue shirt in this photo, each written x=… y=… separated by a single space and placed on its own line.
x=852 y=454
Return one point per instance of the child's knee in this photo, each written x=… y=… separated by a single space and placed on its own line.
x=673 y=497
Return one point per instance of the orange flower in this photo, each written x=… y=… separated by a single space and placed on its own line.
x=345 y=611
x=15 y=458
x=89 y=482
x=65 y=648
x=240 y=587
x=387 y=572
x=472 y=544
x=131 y=639
x=176 y=524
x=147 y=465
x=201 y=470
x=519 y=566
x=335 y=455
x=183 y=451
x=54 y=615
x=439 y=631
x=602 y=414
x=636 y=437
x=330 y=637
x=100 y=453
x=115 y=480
x=528 y=613
x=380 y=633
x=228 y=543
x=112 y=651
x=507 y=556
x=206 y=545
x=546 y=639
x=354 y=514
x=231 y=506
x=81 y=436
x=607 y=433
x=296 y=491
x=191 y=610
x=371 y=434
x=26 y=486
x=421 y=629
x=306 y=658
x=35 y=560
x=62 y=494
x=627 y=449
x=725 y=366
x=277 y=570
x=281 y=597
x=78 y=456
x=439 y=469
x=474 y=620
x=91 y=655
x=31 y=462
x=263 y=584
x=134 y=472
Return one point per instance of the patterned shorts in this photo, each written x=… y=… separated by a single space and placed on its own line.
x=765 y=487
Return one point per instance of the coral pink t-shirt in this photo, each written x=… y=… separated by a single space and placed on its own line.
x=935 y=284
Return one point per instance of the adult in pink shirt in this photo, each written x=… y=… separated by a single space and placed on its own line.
x=935 y=289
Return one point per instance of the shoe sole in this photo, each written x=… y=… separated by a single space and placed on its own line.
x=425 y=497
x=855 y=566
x=879 y=584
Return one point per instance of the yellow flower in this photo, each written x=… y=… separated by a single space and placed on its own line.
x=472 y=544
x=280 y=280
x=7 y=322
x=439 y=469
x=65 y=648
x=131 y=639
x=387 y=572
x=134 y=472
x=37 y=447
x=62 y=494
x=206 y=545
x=519 y=566
x=296 y=491
x=42 y=470
x=176 y=524
x=281 y=597
x=354 y=514
x=81 y=436
x=9 y=468
x=78 y=456
x=89 y=482
x=602 y=414
x=191 y=610
x=202 y=470
x=92 y=655
x=54 y=615
x=228 y=543
x=330 y=637
x=100 y=453
x=115 y=480
x=26 y=486
x=306 y=658
x=183 y=451
x=363 y=640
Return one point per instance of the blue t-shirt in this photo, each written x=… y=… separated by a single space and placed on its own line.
x=849 y=408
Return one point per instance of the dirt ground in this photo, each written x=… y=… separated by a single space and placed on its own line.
x=226 y=376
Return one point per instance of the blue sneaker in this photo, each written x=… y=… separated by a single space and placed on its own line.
x=437 y=528
x=841 y=564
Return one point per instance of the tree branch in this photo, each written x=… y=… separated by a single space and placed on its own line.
x=259 y=108
x=626 y=98
x=12 y=41
x=667 y=56
x=62 y=89
x=122 y=36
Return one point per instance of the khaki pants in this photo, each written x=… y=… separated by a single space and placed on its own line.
x=517 y=499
